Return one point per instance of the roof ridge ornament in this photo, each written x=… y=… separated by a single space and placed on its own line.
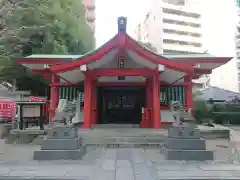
x=122 y=24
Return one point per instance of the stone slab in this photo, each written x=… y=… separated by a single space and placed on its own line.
x=184 y=132
x=62 y=133
x=5 y=130
x=25 y=138
x=196 y=155
x=61 y=144
x=59 y=154
x=185 y=144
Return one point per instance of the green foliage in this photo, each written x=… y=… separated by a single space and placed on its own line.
x=226 y=112
x=42 y=27
x=202 y=110
x=148 y=46
x=48 y=27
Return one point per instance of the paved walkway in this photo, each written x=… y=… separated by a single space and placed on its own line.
x=121 y=164
x=118 y=164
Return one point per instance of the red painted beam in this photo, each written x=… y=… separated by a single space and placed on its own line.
x=121 y=72
x=88 y=58
x=121 y=84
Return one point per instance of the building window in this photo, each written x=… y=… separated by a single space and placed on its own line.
x=180 y=13
x=182 y=23
x=172 y=93
x=170 y=41
x=238 y=54
x=147 y=16
x=168 y=51
x=238 y=76
x=177 y=32
x=175 y=2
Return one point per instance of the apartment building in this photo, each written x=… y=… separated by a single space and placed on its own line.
x=172 y=26
x=90 y=6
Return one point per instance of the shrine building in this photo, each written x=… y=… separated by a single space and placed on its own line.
x=122 y=82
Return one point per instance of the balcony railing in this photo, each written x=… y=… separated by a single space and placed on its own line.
x=182 y=28
x=179 y=47
x=90 y=7
x=178 y=37
x=90 y=16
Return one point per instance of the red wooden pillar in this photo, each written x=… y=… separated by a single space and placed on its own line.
x=94 y=103
x=156 y=101
x=87 y=102
x=188 y=92
x=54 y=96
x=149 y=102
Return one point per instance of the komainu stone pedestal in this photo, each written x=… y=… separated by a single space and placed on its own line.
x=62 y=143
x=184 y=143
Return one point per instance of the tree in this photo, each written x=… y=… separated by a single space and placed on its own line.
x=41 y=27
x=148 y=46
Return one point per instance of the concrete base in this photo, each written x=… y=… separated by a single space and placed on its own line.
x=59 y=154
x=184 y=132
x=5 y=130
x=62 y=133
x=10 y=139
x=25 y=138
x=187 y=144
x=61 y=144
x=196 y=155
x=38 y=140
x=215 y=134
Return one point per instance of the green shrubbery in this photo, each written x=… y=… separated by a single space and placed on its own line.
x=219 y=113
x=226 y=112
x=202 y=110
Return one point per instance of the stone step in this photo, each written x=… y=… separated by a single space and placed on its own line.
x=195 y=155
x=124 y=142
x=185 y=144
x=115 y=126
x=59 y=154
x=122 y=134
x=113 y=142
x=124 y=139
x=127 y=145
x=61 y=144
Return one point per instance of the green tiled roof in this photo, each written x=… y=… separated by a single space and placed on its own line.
x=171 y=56
x=54 y=56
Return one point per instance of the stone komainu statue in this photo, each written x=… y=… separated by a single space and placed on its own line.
x=179 y=113
x=65 y=115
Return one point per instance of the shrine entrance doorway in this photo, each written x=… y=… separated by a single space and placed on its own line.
x=121 y=105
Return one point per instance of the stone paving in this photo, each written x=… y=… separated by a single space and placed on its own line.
x=121 y=164
x=118 y=164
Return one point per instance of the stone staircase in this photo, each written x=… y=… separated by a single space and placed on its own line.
x=122 y=136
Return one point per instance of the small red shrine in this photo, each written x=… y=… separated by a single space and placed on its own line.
x=122 y=81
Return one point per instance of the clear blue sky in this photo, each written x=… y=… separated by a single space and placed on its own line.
x=219 y=21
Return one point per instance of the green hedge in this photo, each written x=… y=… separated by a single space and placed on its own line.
x=221 y=117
